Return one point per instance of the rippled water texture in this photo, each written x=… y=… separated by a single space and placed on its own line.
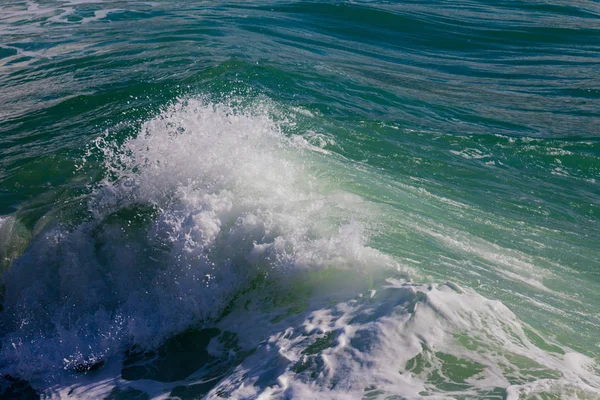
x=366 y=199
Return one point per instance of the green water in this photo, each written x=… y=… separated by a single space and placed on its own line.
x=300 y=200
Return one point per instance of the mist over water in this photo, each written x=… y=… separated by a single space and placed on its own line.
x=299 y=200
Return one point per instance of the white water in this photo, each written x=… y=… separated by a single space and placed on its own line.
x=207 y=197
x=226 y=197
x=376 y=335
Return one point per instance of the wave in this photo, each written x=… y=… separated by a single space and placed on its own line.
x=201 y=201
x=413 y=340
x=221 y=256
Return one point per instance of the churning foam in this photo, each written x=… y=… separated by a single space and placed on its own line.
x=407 y=339
x=203 y=199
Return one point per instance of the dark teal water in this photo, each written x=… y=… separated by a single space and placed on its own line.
x=276 y=199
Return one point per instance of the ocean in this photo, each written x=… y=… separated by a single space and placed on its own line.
x=300 y=200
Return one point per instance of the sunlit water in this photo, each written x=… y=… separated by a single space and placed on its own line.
x=344 y=200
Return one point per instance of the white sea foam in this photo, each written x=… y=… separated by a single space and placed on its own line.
x=511 y=264
x=202 y=200
x=405 y=339
x=470 y=153
x=205 y=198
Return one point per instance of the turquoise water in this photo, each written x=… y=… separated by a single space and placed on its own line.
x=269 y=199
